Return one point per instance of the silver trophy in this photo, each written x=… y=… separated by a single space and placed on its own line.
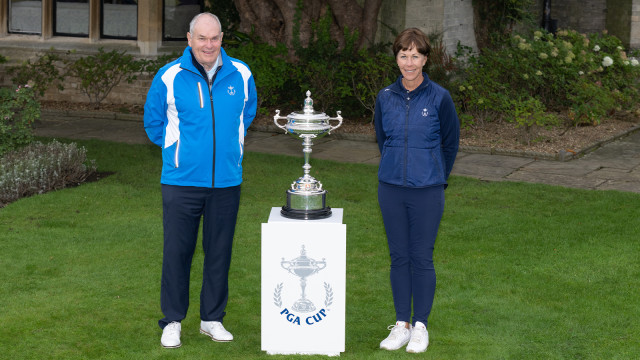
x=306 y=199
x=303 y=267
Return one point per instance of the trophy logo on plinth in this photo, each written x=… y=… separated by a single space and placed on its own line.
x=306 y=199
x=303 y=267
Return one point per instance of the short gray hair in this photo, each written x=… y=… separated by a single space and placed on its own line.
x=192 y=24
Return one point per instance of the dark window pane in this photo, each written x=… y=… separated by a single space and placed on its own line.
x=25 y=16
x=177 y=15
x=120 y=18
x=72 y=17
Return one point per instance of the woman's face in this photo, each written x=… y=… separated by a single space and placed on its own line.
x=411 y=63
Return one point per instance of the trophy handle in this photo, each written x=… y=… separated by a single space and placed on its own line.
x=339 y=118
x=278 y=117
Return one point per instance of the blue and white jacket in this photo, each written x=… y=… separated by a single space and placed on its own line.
x=418 y=134
x=201 y=129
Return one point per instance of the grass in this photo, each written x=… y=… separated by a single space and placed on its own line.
x=524 y=271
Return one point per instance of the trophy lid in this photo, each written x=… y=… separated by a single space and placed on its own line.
x=307 y=112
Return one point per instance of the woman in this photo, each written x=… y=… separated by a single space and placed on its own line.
x=418 y=130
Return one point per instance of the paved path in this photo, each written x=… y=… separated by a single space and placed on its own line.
x=614 y=166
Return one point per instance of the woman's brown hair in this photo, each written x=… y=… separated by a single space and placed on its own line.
x=412 y=37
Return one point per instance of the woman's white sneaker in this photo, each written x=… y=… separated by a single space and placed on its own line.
x=398 y=337
x=171 y=335
x=419 y=338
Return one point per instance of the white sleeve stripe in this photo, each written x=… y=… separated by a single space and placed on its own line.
x=246 y=75
x=172 y=133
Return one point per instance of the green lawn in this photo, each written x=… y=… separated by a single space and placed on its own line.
x=524 y=271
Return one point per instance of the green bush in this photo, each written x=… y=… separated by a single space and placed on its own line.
x=369 y=74
x=40 y=74
x=18 y=110
x=269 y=66
x=39 y=168
x=563 y=72
x=100 y=73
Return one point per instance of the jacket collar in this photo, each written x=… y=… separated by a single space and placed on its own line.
x=399 y=88
x=189 y=62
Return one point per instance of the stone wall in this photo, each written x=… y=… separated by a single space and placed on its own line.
x=635 y=25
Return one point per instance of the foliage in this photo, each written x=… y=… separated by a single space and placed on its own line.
x=369 y=74
x=269 y=66
x=18 y=110
x=440 y=66
x=151 y=66
x=528 y=113
x=589 y=74
x=226 y=11
x=495 y=20
x=100 y=73
x=40 y=74
x=321 y=65
x=39 y=168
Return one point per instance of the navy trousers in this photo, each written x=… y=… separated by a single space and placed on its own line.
x=183 y=207
x=411 y=219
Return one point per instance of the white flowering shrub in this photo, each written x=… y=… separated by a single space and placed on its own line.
x=38 y=168
x=585 y=76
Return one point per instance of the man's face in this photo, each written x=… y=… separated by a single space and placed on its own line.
x=205 y=41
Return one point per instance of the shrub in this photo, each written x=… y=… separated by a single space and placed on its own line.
x=556 y=70
x=369 y=74
x=40 y=74
x=18 y=110
x=269 y=66
x=39 y=168
x=100 y=73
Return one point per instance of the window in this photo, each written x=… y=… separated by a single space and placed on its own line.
x=178 y=15
x=119 y=19
x=71 y=17
x=25 y=16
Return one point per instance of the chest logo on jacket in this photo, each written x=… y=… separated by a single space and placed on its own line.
x=425 y=112
x=231 y=90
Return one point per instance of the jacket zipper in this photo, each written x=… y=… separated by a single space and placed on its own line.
x=406 y=143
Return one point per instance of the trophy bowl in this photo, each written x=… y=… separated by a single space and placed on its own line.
x=306 y=200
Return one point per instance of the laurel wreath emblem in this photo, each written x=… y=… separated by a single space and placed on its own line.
x=277 y=295
x=328 y=299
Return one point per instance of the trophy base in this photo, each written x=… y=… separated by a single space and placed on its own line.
x=306 y=205
x=305 y=214
x=303 y=306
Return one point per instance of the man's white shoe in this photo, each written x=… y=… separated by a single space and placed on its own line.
x=398 y=337
x=171 y=335
x=419 y=338
x=215 y=330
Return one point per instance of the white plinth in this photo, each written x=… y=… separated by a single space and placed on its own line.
x=317 y=250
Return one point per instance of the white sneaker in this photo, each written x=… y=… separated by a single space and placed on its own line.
x=171 y=335
x=398 y=337
x=419 y=338
x=215 y=330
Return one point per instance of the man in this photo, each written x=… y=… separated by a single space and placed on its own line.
x=198 y=110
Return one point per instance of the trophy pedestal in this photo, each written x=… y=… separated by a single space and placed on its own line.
x=303 y=286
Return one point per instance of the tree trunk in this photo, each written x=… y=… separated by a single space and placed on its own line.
x=273 y=21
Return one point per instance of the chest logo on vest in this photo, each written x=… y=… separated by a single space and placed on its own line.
x=425 y=112
x=231 y=90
